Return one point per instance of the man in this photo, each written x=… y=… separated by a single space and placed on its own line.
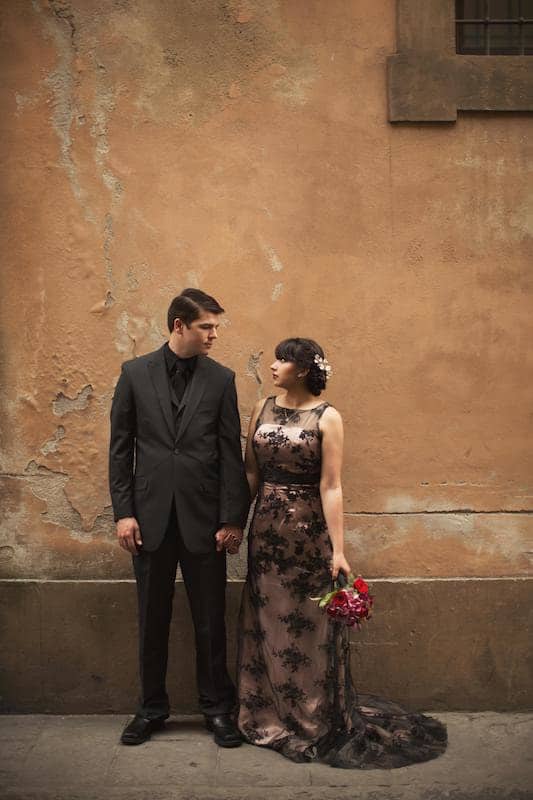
x=180 y=495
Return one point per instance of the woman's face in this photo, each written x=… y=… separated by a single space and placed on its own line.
x=284 y=373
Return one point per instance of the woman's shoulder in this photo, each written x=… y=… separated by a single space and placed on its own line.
x=329 y=414
x=261 y=405
x=263 y=402
x=329 y=408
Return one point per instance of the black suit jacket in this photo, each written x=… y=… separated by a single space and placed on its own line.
x=199 y=465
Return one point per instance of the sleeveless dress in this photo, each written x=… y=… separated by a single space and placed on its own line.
x=295 y=689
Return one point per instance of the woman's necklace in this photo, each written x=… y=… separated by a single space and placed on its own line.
x=298 y=408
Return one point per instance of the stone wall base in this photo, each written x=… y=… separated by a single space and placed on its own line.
x=450 y=644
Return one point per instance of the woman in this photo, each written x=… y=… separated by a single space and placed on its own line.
x=295 y=690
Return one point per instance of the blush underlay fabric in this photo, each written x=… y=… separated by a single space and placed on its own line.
x=296 y=693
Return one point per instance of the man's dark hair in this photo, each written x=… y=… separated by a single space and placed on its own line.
x=188 y=306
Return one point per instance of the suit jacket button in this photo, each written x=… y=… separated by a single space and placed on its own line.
x=176 y=451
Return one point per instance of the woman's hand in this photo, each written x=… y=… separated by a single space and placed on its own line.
x=339 y=563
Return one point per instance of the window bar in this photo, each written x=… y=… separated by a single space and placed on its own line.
x=487 y=21
x=522 y=28
x=487 y=34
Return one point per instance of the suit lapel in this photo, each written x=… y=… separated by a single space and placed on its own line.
x=158 y=373
x=193 y=394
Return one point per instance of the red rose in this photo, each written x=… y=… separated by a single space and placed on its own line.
x=338 y=606
x=350 y=606
x=360 y=585
x=340 y=599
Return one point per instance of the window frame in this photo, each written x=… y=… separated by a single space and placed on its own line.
x=428 y=81
x=489 y=23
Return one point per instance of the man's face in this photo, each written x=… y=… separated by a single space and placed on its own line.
x=198 y=338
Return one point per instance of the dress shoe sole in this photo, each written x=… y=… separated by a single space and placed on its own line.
x=134 y=741
x=223 y=743
x=130 y=739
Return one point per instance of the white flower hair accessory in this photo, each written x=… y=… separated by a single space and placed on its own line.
x=324 y=366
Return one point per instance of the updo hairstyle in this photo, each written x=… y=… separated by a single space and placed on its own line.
x=302 y=352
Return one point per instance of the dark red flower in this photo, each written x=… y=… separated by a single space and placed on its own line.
x=340 y=598
x=349 y=606
x=360 y=585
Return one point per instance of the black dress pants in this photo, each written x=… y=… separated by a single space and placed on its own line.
x=204 y=577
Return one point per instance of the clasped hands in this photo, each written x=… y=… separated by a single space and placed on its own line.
x=229 y=538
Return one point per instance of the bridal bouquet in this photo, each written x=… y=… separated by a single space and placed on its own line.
x=350 y=602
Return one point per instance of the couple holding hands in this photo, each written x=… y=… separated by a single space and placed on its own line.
x=181 y=495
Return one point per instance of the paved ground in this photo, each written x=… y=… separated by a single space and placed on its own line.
x=490 y=757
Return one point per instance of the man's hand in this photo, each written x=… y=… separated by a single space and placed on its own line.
x=129 y=534
x=229 y=538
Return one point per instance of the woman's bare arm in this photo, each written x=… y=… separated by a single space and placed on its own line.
x=330 y=486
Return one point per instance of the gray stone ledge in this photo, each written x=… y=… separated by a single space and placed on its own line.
x=70 y=646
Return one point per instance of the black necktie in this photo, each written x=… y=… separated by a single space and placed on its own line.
x=179 y=381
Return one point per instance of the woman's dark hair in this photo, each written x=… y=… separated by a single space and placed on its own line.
x=302 y=352
x=188 y=306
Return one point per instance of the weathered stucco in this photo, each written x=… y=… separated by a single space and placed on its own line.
x=244 y=147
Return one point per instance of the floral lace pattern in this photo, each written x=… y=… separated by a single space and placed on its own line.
x=295 y=688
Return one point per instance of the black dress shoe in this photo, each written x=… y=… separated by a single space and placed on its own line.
x=224 y=729
x=140 y=729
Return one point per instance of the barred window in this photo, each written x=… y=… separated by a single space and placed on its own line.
x=436 y=72
x=494 y=27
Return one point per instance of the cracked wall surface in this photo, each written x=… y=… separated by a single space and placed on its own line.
x=244 y=147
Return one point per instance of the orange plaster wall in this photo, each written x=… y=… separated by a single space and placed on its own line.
x=244 y=147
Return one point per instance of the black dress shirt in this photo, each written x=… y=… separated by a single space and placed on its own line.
x=180 y=372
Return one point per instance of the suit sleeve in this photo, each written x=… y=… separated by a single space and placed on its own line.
x=122 y=448
x=234 y=491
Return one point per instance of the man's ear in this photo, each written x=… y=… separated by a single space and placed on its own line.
x=178 y=326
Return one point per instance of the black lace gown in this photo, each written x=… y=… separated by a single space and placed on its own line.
x=295 y=689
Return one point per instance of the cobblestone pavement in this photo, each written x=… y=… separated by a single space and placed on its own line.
x=489 y=757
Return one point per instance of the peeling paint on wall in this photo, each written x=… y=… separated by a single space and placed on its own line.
x=252 y=368
x=26 y=102
x=63 y=404
x=61 y=29
x=273 y=258
x=108 y=242
x=103 y=305
x=49 y=485
x=52 y=444
x=276 y=291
